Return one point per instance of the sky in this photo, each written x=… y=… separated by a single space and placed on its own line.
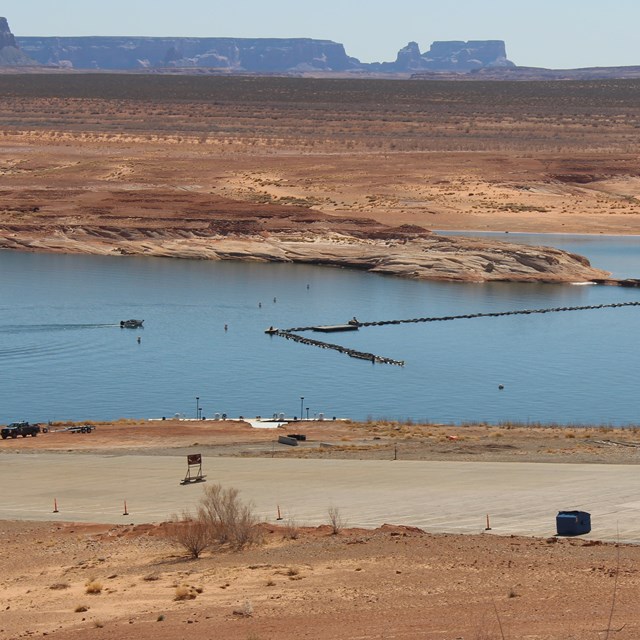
x=541 y=33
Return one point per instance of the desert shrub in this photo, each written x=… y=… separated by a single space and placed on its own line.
x=93 y=587
x=189 y=532
x=336 y=521
x=184 y=592
x=220 y=519
x=81 y=608
x=227 y=519
x=291 y=530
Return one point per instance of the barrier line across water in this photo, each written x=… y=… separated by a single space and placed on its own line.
x=292 y=333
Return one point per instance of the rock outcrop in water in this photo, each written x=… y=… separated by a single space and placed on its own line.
x=203 y=226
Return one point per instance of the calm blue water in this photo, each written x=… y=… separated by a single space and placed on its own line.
x=63 y=355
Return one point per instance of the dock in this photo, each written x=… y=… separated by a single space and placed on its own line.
x=334 y=328
x=354 y=325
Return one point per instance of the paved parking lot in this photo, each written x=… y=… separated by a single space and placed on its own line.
x=456 y=497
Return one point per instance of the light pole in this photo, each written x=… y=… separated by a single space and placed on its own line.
x=307 y=413
x=301 y=406
x=197 y=407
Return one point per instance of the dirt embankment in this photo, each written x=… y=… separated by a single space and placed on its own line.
x=91 y=582
x=378 y=440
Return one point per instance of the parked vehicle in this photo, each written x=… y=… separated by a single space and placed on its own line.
x=23 y=429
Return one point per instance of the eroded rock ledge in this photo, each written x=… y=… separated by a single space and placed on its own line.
x=432 y=258
x=201 y=226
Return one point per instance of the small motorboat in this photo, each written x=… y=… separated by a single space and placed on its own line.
x=271 y=330
x=131 y=324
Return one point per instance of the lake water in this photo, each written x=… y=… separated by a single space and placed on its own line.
x=63 y=355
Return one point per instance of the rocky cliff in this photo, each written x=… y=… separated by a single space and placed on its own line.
x=260 y=55
x=251 y=55
x=10 y=54
x=455 y=56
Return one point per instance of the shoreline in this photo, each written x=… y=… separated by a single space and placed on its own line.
x=427 y=256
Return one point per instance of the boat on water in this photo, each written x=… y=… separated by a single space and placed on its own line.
x=131 y=324
x=272 y=330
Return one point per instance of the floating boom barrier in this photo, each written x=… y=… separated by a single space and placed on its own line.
x=353 y=353
x=292 y=333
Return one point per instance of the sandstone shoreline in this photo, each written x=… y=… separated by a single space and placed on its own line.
x=433 y=257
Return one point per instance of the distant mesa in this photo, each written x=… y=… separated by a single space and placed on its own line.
x=10 y=54
x=445 y=60
x=237 y=55
x=457 y=56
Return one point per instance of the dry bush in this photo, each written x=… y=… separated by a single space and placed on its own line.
x=221 y=519
x=81 y=608
x=183 y=592
x=227 y=519
x=192 y=534
x=336 y=521
x=93 y=587
x=291 y=530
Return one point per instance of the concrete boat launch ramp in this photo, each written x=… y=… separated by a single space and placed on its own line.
x=454 y=497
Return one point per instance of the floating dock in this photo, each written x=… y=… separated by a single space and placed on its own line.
x=334 y=328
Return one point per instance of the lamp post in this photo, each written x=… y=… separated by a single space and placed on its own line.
x=301 y=406
x=197 y=407
x=307 y=413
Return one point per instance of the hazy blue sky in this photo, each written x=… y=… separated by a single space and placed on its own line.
x=547 y=33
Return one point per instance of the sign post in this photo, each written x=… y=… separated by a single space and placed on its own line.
x=194 y=469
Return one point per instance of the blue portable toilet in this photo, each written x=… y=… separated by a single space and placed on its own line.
x=573 y=523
